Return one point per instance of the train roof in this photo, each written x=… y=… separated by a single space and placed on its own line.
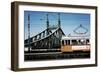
x=75 y=37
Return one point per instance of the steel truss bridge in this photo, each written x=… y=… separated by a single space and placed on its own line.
x=49 y=39
x=45 y=39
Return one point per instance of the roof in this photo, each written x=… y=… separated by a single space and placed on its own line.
x=75 y=37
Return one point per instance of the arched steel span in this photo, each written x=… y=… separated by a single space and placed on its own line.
x=46 y=41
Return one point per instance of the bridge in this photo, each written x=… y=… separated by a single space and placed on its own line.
x=49 y=39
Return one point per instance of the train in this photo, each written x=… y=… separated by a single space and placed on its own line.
x=75 y=43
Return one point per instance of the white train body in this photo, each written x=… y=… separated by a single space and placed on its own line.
x=75 y=43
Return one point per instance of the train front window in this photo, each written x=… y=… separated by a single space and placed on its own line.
x=68 y=42
x=65 y=42
x=62 y=42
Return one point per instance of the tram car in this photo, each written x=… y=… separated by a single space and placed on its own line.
x=72 y=44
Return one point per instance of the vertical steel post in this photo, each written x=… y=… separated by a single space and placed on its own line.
x=59 y=22
x=29 y=33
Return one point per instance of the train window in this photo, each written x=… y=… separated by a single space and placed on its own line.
x=74 y=42
x=68 y=42
x=87 y=41
x=62 y=42
x=65 y=42
x=81 y=42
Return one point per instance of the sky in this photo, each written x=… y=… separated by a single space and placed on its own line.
x=69 y=21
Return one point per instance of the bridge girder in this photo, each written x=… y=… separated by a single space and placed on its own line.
x=46 y=41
